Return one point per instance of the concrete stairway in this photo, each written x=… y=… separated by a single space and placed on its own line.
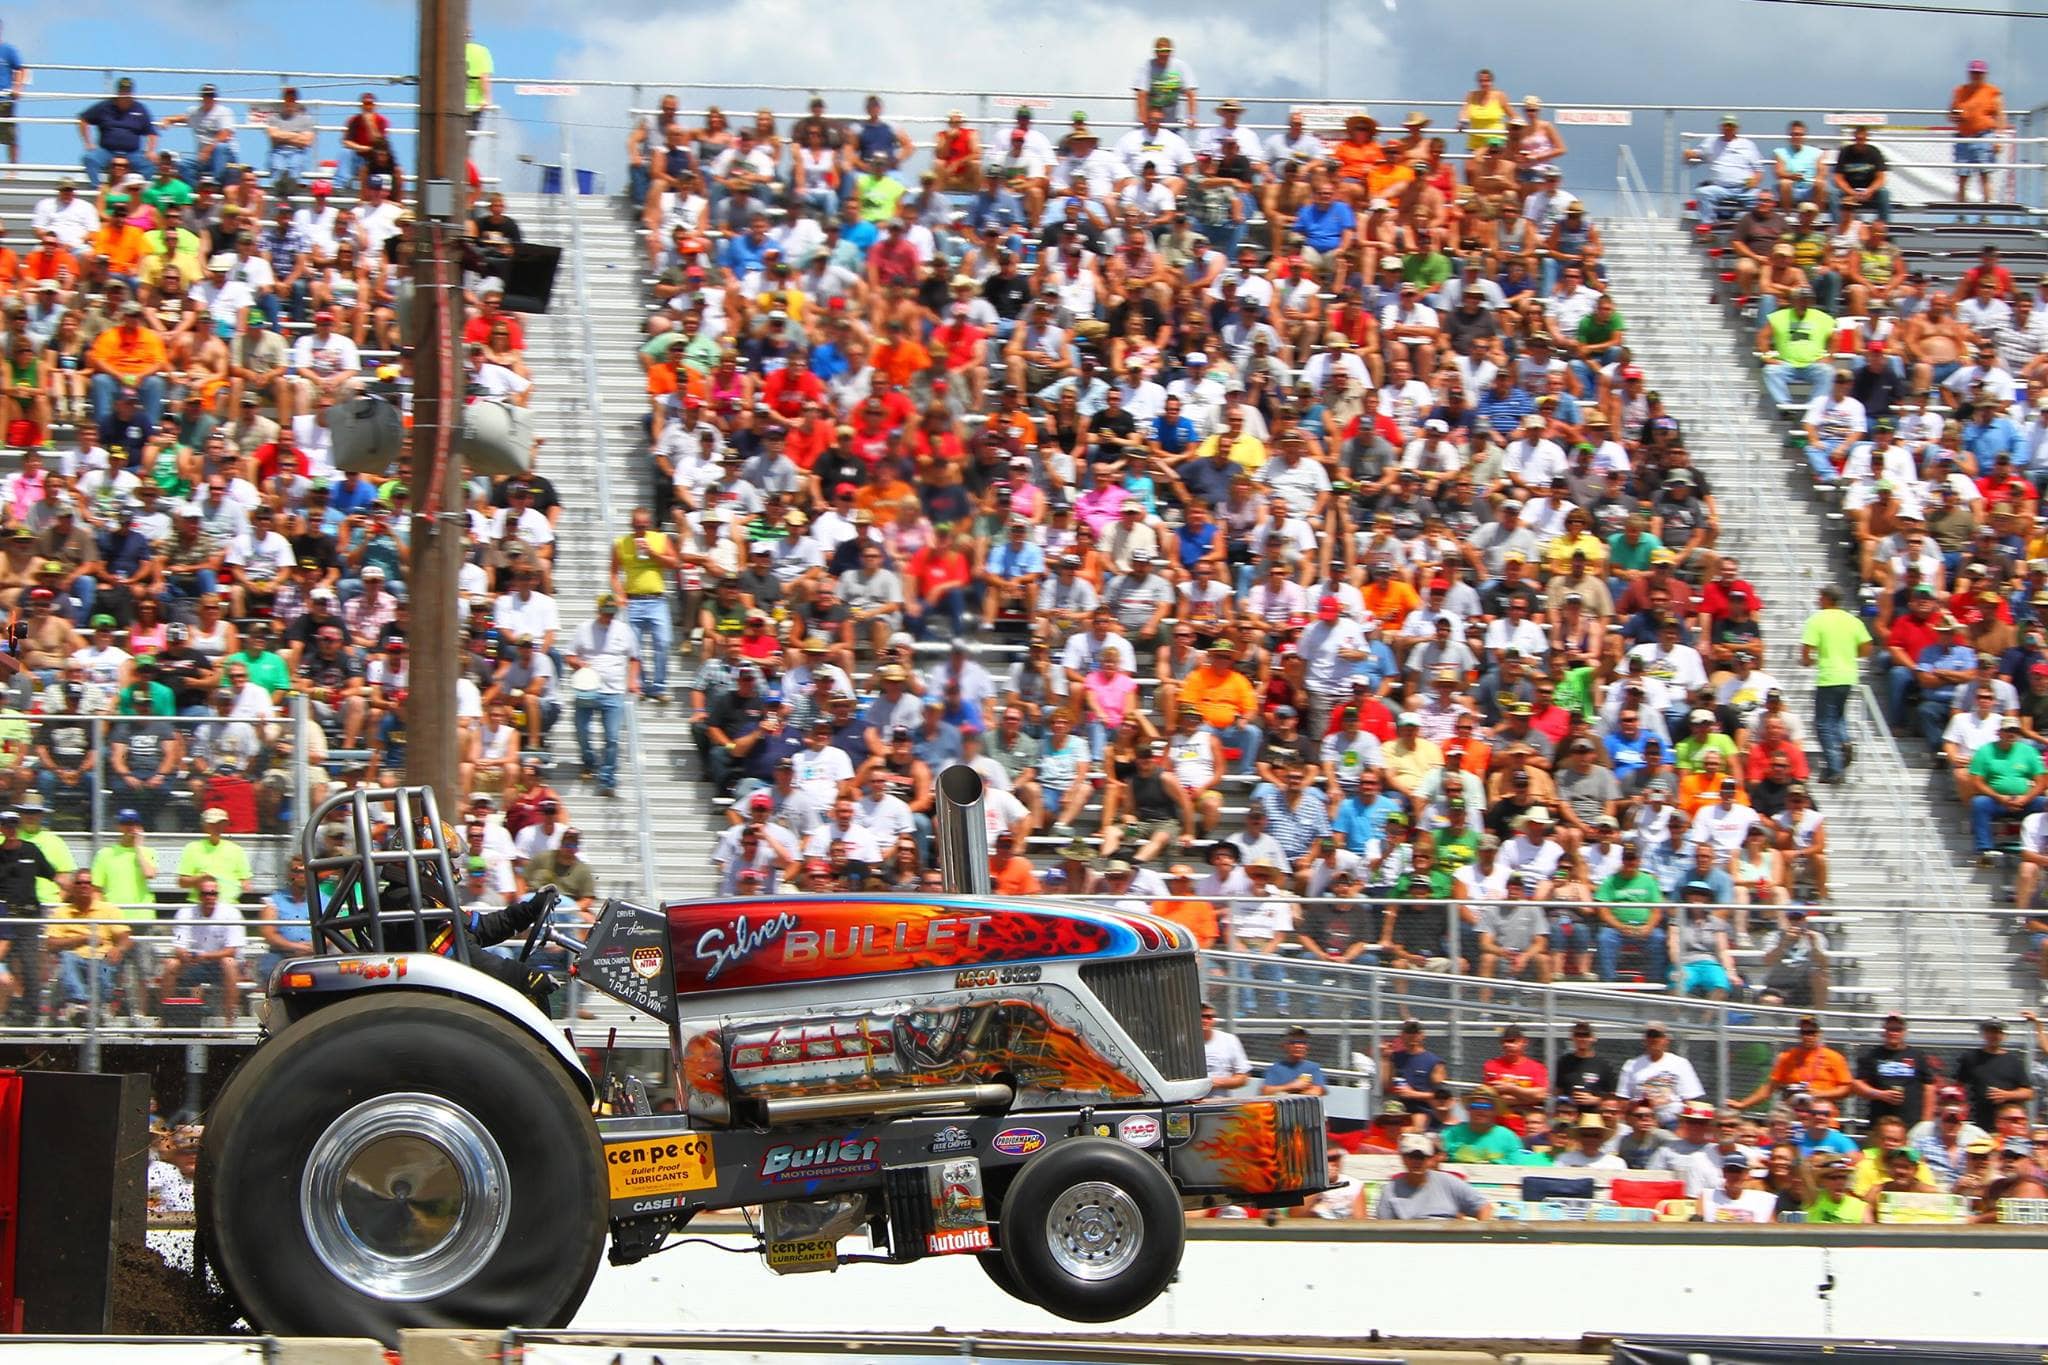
x=679 y=812
x=1897 y=840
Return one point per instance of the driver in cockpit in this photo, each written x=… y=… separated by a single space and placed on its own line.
x=481 y=927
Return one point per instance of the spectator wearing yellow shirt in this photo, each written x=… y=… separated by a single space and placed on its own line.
x=1245 y=451
x=124 y=869
x=83 y=950
x=642 y=560
x=34 y=831
x=215 y=857
x=1577 y=538
x=1410 y=758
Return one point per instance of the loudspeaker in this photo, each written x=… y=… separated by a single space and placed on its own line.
x=369 y=434
x=497 y=438
x=530 y=277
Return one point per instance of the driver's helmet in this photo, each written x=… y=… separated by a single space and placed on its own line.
x=448 y=838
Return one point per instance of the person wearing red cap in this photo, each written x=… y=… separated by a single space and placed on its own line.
x=1977 y=108
x=325 y=364
x=1331 y=647
x=1943 y=1142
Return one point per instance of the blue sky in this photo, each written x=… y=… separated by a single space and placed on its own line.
x=1571 y=51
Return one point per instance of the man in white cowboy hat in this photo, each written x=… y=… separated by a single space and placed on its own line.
x=1532 y=850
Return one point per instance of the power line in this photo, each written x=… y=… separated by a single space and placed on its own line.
x=1900 y=7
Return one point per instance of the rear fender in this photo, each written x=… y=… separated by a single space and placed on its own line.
x=305 y=984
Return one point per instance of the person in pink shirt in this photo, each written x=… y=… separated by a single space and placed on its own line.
x=1099 y=505
x=1107 y=695
x=1027 y=499
x=24 y=488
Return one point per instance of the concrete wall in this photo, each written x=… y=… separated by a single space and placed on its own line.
x=1544 y=1282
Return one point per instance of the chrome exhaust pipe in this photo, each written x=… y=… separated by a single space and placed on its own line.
x=962 y=831
x=932 y=1099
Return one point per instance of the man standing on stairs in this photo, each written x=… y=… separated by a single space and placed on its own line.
x=642 y=560
x=1832 y=643
x=604 y=655
x=1978 y=111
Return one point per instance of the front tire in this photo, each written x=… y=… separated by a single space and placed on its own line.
x=1091 y=1230
x=400 y=1160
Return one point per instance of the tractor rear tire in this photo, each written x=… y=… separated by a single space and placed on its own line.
x=401 y=1159
x=1091 y=1230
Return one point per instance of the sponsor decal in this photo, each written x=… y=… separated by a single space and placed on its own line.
x=812 y=1253
x=1180 y=1126
x=664 y=1204
x=720 y=948
x=371 y=968
x=827 y=1160
x=966 y=1239
x=1140 y=1130
x=644 y=1168
x=545 y=92
x=1018 y=1141
x=883 y=940
x=951 y=1138
x=1851 y=120
x=647 y=962
x=998 y=976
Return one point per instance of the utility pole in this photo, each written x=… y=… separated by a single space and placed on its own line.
x=431 y=756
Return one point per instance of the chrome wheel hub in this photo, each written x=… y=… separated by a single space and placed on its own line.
x=1094 y=1230
x=405 y=1196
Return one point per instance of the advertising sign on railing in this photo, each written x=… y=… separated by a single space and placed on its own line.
x=1327 y=118
x=1601 y=118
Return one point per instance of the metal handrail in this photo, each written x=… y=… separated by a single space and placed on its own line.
x=593 y=399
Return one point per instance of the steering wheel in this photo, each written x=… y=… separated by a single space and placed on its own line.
x=547 y=896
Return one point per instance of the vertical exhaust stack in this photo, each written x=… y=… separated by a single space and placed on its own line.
x=962 y=831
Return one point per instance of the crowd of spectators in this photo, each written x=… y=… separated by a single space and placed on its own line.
x=1286 y=504
x=208 y=618
x=1820 y=1139
x=1915 y=414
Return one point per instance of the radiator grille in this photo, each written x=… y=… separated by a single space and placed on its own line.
x=1159 y=1003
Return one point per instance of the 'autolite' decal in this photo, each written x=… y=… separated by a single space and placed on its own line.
x=768 y=941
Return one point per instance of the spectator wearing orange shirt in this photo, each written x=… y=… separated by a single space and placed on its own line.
x=1186 y=909
x=1226 y=701
x=128 y=357
x=1808 y=1065
x=1356 y=155
x=50 y=261
x=120 y=242
x=1387 y=597
x=940 y=579
x=900 y=357
x=1010 y=872
x=1978 y=110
